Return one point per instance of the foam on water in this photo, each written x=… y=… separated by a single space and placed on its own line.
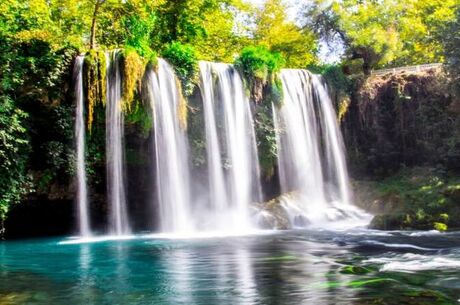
x=415 y=262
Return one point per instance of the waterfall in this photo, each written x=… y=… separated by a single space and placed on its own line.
x=116 y=192
x=333 y=143
x=311 y=159
x=171 y=150
x=233 y=168
x=311 y=164
x=82 y=192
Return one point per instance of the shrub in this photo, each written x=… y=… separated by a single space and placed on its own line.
x=259 y=67
x=184 y=60
x=259 y=63
x=14 y=149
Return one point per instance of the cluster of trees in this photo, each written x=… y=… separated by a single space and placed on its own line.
x=40 y=38
x=386 y=33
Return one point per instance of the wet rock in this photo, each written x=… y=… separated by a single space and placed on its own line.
x=272 y=215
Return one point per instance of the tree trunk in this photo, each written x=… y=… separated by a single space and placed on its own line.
x=92 y=43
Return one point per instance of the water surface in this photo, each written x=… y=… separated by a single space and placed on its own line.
x=294 y=267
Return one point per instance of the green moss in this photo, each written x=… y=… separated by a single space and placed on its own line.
x=133 y=71
x=141 y=116
x=95 y=71
x=440 y=226
x=354 y=270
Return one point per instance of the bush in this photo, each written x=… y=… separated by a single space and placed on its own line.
x=184 y=60
x=259 y=63
x=14 y=149
x=422 y=200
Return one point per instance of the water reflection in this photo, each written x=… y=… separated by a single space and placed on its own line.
x=245 y=283
x=285 y=268
x=86 y=281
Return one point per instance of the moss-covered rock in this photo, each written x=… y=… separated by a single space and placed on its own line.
x=417 y=198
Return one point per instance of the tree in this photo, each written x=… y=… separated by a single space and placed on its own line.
x=225 y=32
x=382 y=33
x=14 y=149
x=273 y=30
x=97 y=7
x=450 y=37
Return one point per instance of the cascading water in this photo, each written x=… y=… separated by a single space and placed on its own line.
x=233 y=168
x=82 y=192
x=171 y=151
x=118 y=219
x=333 y=145
x=311 y=162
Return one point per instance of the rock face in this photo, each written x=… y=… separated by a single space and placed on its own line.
x=402 y=133
x=402 y=119
x=368 y=198
x=271 y=214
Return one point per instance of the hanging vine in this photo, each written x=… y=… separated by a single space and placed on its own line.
x=133 y=71
x=95 y=71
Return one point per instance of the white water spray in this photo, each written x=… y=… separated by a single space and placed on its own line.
x=116 y=193
x=231 y=148
x=82 y=191
x=171 y=151
x=310 y=154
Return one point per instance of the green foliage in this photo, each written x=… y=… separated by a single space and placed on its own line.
x=259 y=67
x=138 y=31
x=182 y=20
x=383 y=33
x=273 y=30
x=225 y=30
x=259 y=63
x=423 y=198
x=14 y=149
x=448 y=34
x=341 y=86
x=184 y=60
x=335 y=78
x=95 y=150
x=440 y=226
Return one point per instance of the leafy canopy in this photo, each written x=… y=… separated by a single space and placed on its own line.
x=383 y=33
